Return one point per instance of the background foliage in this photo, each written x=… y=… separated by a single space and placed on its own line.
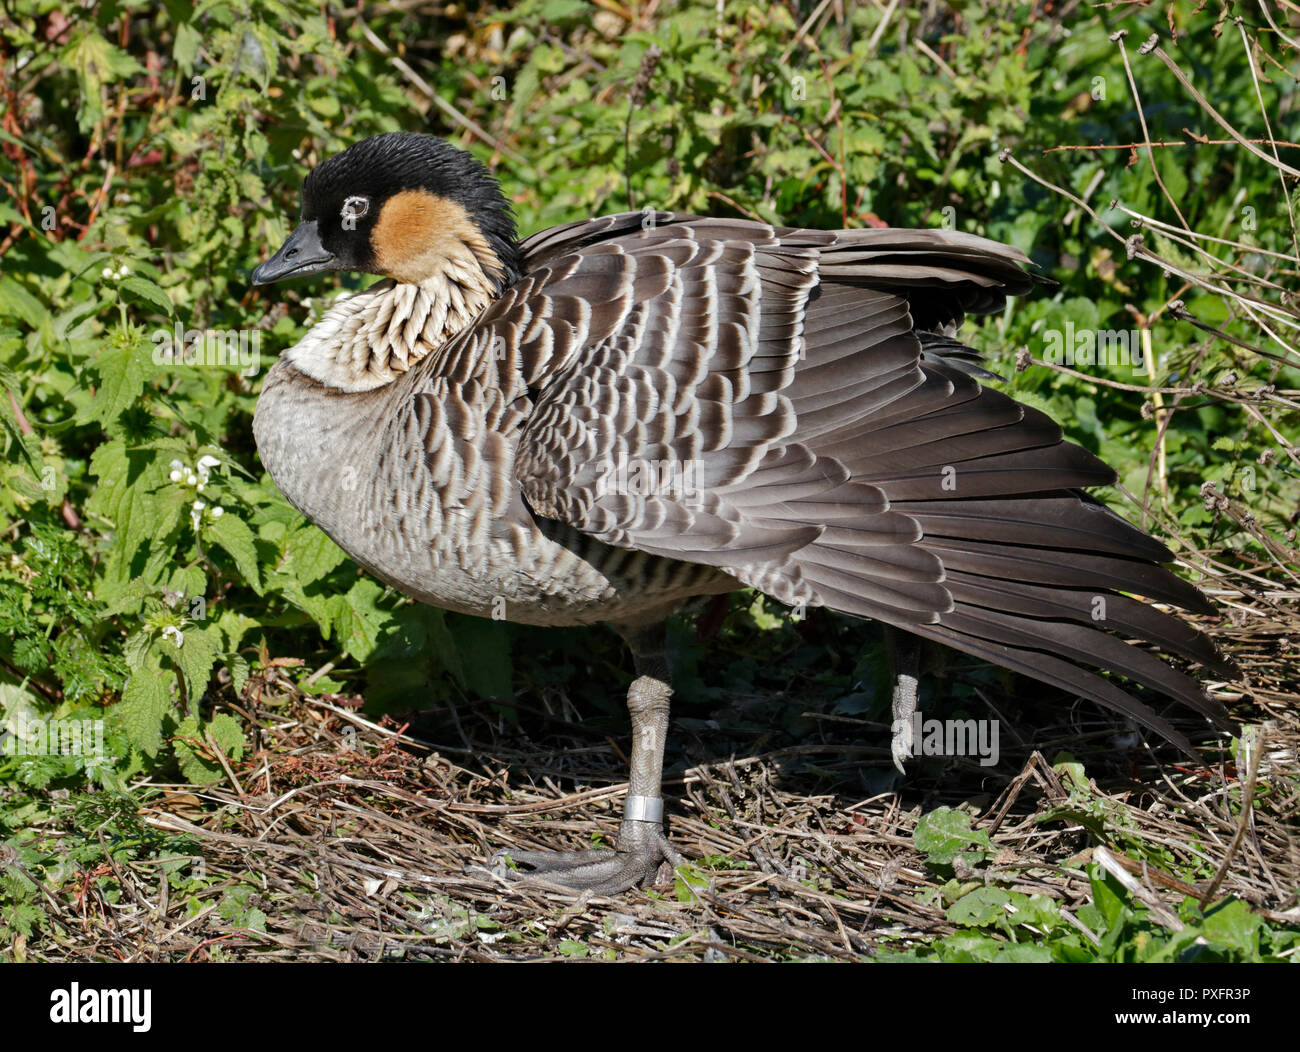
x=150 y=156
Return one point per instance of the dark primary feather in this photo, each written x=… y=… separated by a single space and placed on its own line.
x=849 y=456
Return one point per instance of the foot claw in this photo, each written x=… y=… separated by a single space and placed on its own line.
x=601 y=872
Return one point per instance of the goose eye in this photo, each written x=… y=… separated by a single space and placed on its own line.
x=355 y=207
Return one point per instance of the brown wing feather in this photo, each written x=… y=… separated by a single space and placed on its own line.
x=846 y=453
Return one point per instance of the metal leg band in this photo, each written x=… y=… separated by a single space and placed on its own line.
x=644 y=808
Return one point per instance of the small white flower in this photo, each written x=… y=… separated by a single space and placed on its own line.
x=198 y=505
x=124 y=271
x=176 y=465
x=107 y=272
x=190 y=478
x=218 y=511
x=174 y=634
x=175 y=476
x=205 y=465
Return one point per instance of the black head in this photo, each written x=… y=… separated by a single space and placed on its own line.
x=397 y=204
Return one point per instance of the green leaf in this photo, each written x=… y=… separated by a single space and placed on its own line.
x=146 y=700
x=238 y=667
x=186 y=47
x=312 y=555
x=141 y=522
x=226 y=732
x=1094 y=823
x=29 y=450
x=15 y=702
x=687 y=880
x=194 y=657
x=96 y=63
x=192 y=756
x=1234 y=926
x=121 y=382
x=232 y=535
x=944 y=833
x=980 y=908
x=1108 y=896
x=762 y=617
x=147 y=290
x=358 y=619
x=24 y=917
x=17 y=302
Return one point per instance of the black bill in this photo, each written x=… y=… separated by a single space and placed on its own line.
x=302 y=253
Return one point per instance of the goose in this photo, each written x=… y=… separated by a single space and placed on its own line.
x=620 y=415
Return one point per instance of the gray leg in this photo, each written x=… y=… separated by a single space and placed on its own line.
x=642 y=846
x=905 y=654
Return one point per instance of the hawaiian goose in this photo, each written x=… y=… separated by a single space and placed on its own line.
x=614 y=416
